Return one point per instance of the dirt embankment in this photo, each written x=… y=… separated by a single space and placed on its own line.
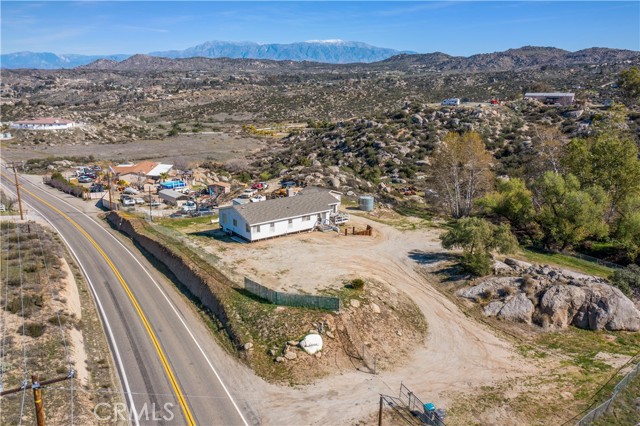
x=210 y=287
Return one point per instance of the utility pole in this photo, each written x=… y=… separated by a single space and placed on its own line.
x=110 y=201
x=150 y=205
x=15 y=175
x=37 y=398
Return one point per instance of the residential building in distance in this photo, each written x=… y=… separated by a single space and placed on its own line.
x=48 y=123
x=173 y=198
x=552 y=98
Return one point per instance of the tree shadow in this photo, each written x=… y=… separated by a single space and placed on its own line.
x=430 y=258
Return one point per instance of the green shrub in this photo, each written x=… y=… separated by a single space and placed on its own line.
x=478 y=264
x=357 y=284
x=627 y=279
x=32 y=329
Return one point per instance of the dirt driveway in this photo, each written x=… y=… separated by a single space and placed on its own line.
x=458 y=355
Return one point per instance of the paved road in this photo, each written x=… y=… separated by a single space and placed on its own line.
x=163 y=351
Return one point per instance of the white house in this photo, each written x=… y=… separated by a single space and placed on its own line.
x=49 y=123
x=280 y=216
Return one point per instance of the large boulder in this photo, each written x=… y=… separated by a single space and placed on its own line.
x=493 y=285
x=518 y=309
x=607 y=308
x=518 y=265
x=312 y=343
x=561 y=303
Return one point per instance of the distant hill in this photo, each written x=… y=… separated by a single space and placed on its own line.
x=49 y=61
x=327 y=51
x=513 y=59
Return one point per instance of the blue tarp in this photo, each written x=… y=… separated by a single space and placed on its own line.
x=173 y=184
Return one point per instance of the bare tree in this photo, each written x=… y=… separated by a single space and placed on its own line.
x=462 y=173
x=549 y=147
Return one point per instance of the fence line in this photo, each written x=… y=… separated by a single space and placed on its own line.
x=288 y=299
x=417 y=408
x=595 y=259
x=367 y=357
x=604 y=407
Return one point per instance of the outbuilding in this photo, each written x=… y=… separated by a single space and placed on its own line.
x=172 y=197
x=217 y=188
x=48 y=123
x=553 y=98
x=279 y=216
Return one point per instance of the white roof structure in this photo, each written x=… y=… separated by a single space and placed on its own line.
x=159 y=169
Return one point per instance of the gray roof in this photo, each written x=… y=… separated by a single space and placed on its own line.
x=284 y=208
x=550 y=94
x=170 y=193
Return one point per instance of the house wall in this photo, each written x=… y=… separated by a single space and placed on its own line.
x=172 y=201
x=265 y=230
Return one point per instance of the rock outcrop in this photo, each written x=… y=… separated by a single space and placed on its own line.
x=553 y=298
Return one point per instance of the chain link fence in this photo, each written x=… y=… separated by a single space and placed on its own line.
x=288 y=299
x=602 y=408
x=417 y=408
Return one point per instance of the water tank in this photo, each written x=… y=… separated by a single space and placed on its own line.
x=365 y=203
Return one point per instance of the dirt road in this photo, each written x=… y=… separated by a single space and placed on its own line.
x=458 y=355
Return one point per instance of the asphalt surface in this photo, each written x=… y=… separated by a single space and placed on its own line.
x=215 y=388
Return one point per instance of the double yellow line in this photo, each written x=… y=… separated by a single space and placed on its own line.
x=176 y=388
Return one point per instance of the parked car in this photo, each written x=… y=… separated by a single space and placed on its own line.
x=130 y=190
x=85 y=179
x=138 y=200
x=128 y=202
x=189 y=206
x=155 y=204
x=288 y=184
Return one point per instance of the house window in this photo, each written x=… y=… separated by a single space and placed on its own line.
x=257 y=228
x=272 y=226
x=247 y=228
x=235 y=222
x=306 y=218
x=290 y=223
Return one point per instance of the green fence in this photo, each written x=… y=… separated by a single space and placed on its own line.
x=287 y=299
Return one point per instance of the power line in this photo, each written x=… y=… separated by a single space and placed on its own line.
x=64 y=339
x=4 y=316
x=24 y=346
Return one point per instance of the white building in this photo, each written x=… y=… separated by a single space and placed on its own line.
x=280 y=216
x=49 y=123
x=554 y=98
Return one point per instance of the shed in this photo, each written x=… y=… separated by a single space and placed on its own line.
x=172 y=197
x=551 y=98
x=219 y=188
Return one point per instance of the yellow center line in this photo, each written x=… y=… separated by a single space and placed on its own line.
x=176 y=388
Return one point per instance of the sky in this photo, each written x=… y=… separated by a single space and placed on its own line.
x=453 y=27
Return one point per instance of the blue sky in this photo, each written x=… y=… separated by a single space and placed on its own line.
x=459 y=28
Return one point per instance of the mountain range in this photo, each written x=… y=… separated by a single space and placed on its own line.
x=524 y=58
x=216 y=55
x=327 y=51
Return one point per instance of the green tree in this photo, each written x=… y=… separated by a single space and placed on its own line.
x=609 y=161
x=628 y=229
x=627 y=279
x=565 y=213
x=478 y=238
x=630 y=83
x=512 y=200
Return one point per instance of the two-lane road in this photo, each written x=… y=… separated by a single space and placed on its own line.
x=172 y=372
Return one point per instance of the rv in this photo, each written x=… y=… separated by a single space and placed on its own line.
x=451 y=101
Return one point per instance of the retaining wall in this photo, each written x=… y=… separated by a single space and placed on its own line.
x=210 y=286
